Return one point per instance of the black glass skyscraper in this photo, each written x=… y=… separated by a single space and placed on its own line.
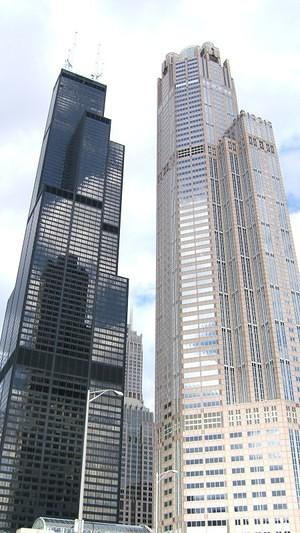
x=65 y=323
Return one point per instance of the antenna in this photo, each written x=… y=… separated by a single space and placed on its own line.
x=69 y=60
x=67 y=64
x=98 y=71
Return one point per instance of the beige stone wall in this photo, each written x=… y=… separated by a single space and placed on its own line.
x=227 y=358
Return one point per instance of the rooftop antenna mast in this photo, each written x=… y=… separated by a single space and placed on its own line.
x=70 y=57
x=98 y=69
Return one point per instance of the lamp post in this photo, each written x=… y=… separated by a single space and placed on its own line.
x=91 y=396
x=159 y=478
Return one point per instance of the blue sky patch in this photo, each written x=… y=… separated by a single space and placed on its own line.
x=292 y=145
x=293 y=203
x=144 y=298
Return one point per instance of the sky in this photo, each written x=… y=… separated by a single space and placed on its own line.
x=259 y=37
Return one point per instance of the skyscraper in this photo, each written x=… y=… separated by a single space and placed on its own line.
x=228 y=311
x=134 y=365
x=138 y=433
x=65 y=324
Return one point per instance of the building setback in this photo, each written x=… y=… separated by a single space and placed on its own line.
x=228 y=311
x=65 y=324
x=138 y=435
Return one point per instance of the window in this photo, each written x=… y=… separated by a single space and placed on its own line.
x=240 y=470
x=240 y=508
x=276 y=467
x=216 y=509
x=256 y=457
x=213 y=484
x=217 y=496
x=235 y=435
x=260 y=507
x=238 y=482
x=256 y=468
x=214 y=437
x=277 y=506
x=215 y=472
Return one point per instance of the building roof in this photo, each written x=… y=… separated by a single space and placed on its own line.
x=60 y=525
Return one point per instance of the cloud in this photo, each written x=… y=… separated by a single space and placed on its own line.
x=290 y=161
x=295 y=223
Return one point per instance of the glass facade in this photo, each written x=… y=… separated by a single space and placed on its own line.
x=65 y=324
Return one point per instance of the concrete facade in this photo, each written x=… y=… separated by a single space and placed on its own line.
x=137 y=441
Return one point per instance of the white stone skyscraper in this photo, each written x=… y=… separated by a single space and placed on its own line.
x=228 y=311
x=137 y=440
x=134 y=365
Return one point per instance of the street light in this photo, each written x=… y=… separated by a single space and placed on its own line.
x=159 y=477
x=91 y=396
